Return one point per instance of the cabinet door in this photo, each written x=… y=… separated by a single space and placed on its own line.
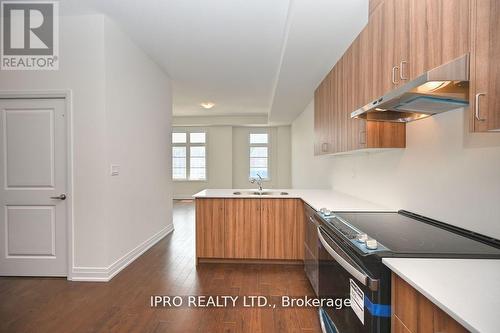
x=443 y=323
x=372 y=54
x=352 y=88
x=485 y=66
x=337 y=129
x=299 y=229
x=439 y=32
x=322 y=121
x=242 y=228
x=404 y=303
x=210 y=228
x=398 y=327
x=396 y=51
x=281 y=236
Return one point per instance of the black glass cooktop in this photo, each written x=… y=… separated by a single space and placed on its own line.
x=404 y=233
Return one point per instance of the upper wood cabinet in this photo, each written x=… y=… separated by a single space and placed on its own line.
x=396 y=51
x=402 y=40
x=372 y=54
x=439 y=32
x=322 y=140
x=485 y=66
x=361 y=75
x=353 y=85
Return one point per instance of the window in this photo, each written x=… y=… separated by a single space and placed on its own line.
x=259 y=155
x=189 y=156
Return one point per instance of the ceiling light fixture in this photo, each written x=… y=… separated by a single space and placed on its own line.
x=207 y=105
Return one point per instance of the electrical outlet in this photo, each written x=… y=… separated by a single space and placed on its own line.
x=115 y=170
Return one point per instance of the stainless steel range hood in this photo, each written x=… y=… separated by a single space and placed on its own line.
x=439 y=90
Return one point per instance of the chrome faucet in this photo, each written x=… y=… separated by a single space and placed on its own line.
x=259 y=182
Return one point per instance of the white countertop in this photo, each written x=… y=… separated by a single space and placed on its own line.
x=466 y=289
x=317 y=199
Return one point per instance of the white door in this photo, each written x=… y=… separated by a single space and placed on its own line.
x=33 y=187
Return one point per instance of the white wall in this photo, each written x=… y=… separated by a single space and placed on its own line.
x=121 y=114
x=81 y=69
x=138 y=118
x=227 y=159
x=308 y=171
x=445 y=172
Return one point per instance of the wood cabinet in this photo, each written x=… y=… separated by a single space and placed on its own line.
x=439 y=33
x=372 y=53
x=328 y=107
x=242 y=228
x=360 y=76
x=385 y=49
x=485 y=66
x=282 y=229
x=396 y=50
x=322 y=122
x=402 y=40
x=414 y=313
x=372 y=5
x=352 y=85
x=210 y=235
x=246 y=228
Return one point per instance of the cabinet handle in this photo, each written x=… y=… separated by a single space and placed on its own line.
x=477 y=106
x=394 y=69
x=362 y=137
x=324 y=147
x=401 y=70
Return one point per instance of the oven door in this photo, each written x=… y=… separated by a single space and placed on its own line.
x=340 y=277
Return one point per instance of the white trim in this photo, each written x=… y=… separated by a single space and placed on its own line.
x=183 y=197
x=188 y=145
x=67 y=95
x=104 y=274
x=269 y=145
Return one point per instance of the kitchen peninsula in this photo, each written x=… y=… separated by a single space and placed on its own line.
x=245 y=226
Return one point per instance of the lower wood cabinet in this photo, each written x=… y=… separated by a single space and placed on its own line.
x=242 y=228
x=282 y=229
x=250 y=229
x=210 y=235
x=414 y=313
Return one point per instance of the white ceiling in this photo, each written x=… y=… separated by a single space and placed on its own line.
x=247 y=56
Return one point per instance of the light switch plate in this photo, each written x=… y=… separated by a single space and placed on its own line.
x=115 y=169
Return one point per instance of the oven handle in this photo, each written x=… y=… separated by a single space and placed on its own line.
x=359 y=275
x=322 y=322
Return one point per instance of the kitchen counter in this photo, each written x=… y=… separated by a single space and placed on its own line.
x=466 y=289
x=317 y=199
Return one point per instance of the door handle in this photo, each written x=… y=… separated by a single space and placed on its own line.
x=60 y=197
x=401 y=70
x=477 y=106
x=394 y=69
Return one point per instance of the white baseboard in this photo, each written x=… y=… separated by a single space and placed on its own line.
x=183 y=197
x=104 y=274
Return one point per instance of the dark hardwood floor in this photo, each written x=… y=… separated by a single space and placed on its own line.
x=168 y=268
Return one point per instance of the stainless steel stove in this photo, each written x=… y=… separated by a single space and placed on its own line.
x=351 y=246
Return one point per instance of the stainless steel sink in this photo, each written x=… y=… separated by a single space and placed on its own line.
x=260 y=193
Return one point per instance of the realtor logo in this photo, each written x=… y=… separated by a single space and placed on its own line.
x=29 y=35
